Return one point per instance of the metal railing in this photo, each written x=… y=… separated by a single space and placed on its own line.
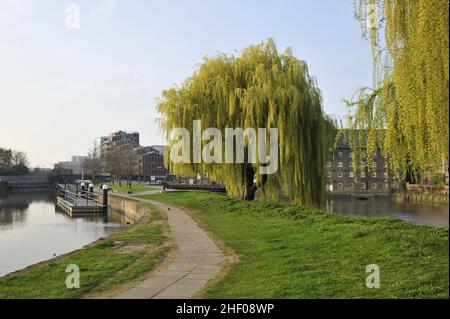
x=215 y=188
x=77 y=197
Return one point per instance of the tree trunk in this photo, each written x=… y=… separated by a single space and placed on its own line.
x=249 y=186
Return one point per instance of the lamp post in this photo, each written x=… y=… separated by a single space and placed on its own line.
x=105 y=189
x=83 y=189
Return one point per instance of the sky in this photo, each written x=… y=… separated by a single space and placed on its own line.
x=63 y=85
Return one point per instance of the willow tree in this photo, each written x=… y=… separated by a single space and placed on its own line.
x=406 y=112
x=260 y=88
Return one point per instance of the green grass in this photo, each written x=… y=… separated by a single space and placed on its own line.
x=135 y=188
x=104 y=266
x=288 y=251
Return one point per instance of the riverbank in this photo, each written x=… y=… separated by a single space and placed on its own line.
x=135 y=188
x=106 y=266
x=24 y=183
x=288 y=251
x=422 y=198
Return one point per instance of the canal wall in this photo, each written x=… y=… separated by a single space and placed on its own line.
x=358 y=196
x=25 y=183
x=131 y=209
x=408 y=197
x=3 y=187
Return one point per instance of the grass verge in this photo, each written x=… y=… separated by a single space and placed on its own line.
x=288 y=251
x=135 y=188
x=105 y=266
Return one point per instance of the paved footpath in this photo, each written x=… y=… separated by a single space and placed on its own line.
x=198 y=260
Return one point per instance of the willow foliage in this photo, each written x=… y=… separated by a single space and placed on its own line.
x=407 y=110
x=260 y=88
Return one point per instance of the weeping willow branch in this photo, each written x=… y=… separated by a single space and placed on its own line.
x=260 y=88
x=407 y=111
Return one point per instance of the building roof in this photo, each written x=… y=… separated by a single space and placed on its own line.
x=160 y=148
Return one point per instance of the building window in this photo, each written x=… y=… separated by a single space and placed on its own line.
x=386 y=186
x=363 y=185
x=386 y=164
x=350 y=164
x=351 y=174
x=329 y=174
x=340 y=186
x=350 y=154
x=329 y=164
x=374 y=185
x=363 y=164
x=374 y=164
x=340 y=164
x=351 y=186
x=363 y=174
x=374 y=174
x=385 y=174
x=340 y=175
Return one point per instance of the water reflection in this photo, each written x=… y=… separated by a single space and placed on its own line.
x=13 y=207
x=33 y=228
x=437 y=216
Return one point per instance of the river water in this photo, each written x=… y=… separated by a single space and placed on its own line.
x=436 y=216
x=33 y=228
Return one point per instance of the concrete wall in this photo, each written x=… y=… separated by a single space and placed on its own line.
x=3 y=187
x=133 y=210
x=422 y=198
x=26 y=183
x=24 y=179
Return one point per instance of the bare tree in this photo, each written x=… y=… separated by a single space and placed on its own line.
x=93 y=163
x=19 y=159
x=131 y=164
x=13 y=162
x=114 y=164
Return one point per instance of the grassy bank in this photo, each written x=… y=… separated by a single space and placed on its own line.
x=105 y=266
x=287 y=251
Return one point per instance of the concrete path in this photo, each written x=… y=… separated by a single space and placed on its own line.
x=197 y=261
x=151 y=192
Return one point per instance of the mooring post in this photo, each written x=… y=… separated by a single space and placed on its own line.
x=105 y=198
x=83 y=189
x=91 y=192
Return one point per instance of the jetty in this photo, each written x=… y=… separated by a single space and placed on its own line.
x=79 y=199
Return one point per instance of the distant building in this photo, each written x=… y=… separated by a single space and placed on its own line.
x=73 y=167
x=160 y=148
x=151 y=158
x=374 y=178
x=119 y=139
x=151 y=161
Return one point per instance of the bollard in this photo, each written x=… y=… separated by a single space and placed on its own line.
x=105 y=198
x=83 y=189
x=91 y=191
